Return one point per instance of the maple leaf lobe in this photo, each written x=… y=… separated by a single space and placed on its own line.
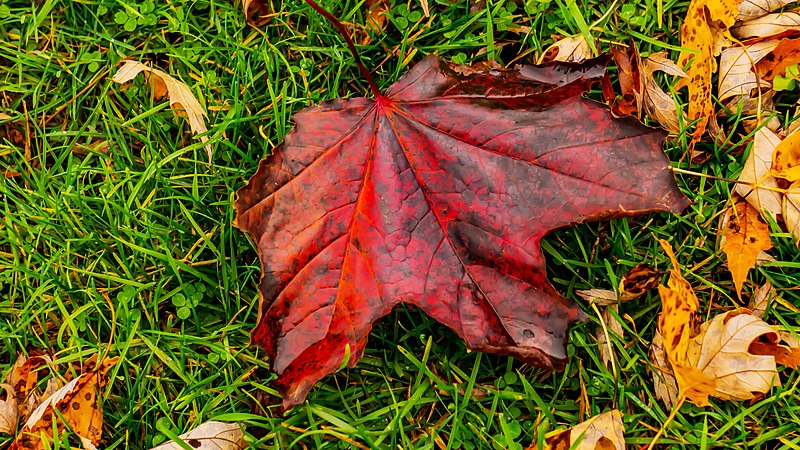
x=438 y=195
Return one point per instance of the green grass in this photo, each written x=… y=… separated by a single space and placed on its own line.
x=115 y=227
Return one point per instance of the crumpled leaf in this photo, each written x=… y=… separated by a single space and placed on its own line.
x=746 y=235
x=677 y=325
x=664 y=383
x=602 y=432
x=698 y=35
x=656 y=103
x=8 y=410
x=768 y=25
x=211 y=435
x=4 y=116
x=180 y=96
x=756 y=184
x=637 y=281
x=569 y=49
x=750 y=9
x=736 y=75
x=437 y=194
x=786 y=158
x=76 y=402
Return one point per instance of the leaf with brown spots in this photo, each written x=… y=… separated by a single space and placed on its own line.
x=697 y=36
x=746 y=235
x=212 y=435
x=77 y=403
x=637 y=281
x=602 y=432
x=23 y=379
x=786 y=158
x=437 y=194
x=569 y=49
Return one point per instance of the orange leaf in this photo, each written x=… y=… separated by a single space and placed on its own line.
x=786 y=158
x=746 y=235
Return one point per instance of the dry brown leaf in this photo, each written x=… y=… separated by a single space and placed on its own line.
x=722 y=351
x=746 y=234
x=377 y=18
x=768 y=25
x=600 y=297
x=698 y=35
x=756 y=184
x=179 y=94
x=664 y=383
x=8 y=411
x=23 y=379
x=677 y=324
x=570 y=49
x=210 y=435
x=637 y=281
x=77 y=403
x=791 y=210
x=736 y=75
x=612 y=324
x=257 y=12
x=786 y=158
x=761 y=298
x=601 y=432
x=750 y=9
x=657 y=104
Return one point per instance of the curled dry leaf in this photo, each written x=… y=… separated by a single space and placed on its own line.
x=23 y=378
x=664 y=383
x=750 y=9
x=755 y=183
x=257 y=12
x=601 y=432
x=791 y=210
x=77 y=403
x=769 y=25
x=179 y=94
x=656 y=103
x=637 y=281
x=570 y=49
x=698 y=36
x=746 y=235
x=8 y=410
x=600 y=297
x=212 y=435
x=736 y=64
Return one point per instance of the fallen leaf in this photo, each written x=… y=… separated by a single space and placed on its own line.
x=77 y=403
x=664 y=383
x=210 y=435
x=628 y=63
x=791 y=210
x=786 y=158
x=569 y=49
x=613 y=326
x=437 y=194
x=750 y=9
x=377 y=18
x=736 y=75
x=8 y=411
x=179 y=94
x=637 y=281
x=761 y=298
x=600 y=297
x=23 y=379
x=755 y=183
x=698 y=37
x=677 y=324
x=769 y=25
x=722 y=351
x=257 y=12
x=746 y=234
x=657 y=104
x=785 y=54
x=602 y=432
x=4 y=116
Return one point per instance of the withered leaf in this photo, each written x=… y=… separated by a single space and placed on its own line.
x=602 y=432
x=769 y=25
x=750 y=9
x=437 y=194
x=637 y=281
x=736 y=74
x=8 y=410
x=569 y=49
x=756 y=184
x=212 y=435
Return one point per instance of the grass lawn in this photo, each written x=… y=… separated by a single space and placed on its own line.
x=117 y=234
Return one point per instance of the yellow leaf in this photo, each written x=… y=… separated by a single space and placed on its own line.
x=786 y=158
x=601 y=432
x=180 y=96
x=746 y=235
x=791 y=210
x=698 y=36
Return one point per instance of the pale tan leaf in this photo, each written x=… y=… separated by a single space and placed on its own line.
x=664 y=383
x=657 y=104
x=601 y=432
x=756 y=184
x=736 y=76
x=761 y=299
x=210 y=435
x=721 y=351
x=768 y=25
x=600 y=297
x=613 y=326
x=791 y=210
x=8 y=411
x=570 y=49
x=4 y=116
x=660 y=62
x=750 y=9
x=425 y=8
x=180 y=96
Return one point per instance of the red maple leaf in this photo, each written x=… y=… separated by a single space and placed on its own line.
x=437 y=194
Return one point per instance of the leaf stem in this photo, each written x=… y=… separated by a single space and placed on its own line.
x=350 y=45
